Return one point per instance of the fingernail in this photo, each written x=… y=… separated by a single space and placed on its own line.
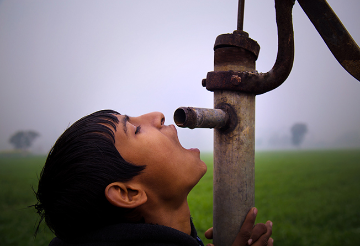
x=250 y=241
x=255 y=211
x=270 y=224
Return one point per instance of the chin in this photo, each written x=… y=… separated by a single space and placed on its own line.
x=204 y=169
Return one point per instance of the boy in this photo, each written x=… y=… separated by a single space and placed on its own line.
x=111 y=179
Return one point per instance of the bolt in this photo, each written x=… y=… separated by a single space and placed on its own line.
x=235 y=79
x=203 y=82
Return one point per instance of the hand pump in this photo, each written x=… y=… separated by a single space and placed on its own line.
x=235 y=83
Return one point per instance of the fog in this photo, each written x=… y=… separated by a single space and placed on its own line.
x=61 y=60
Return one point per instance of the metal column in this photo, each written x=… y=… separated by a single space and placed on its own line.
x=235 y=83
x=234 y=151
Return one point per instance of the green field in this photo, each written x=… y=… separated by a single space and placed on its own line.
x=312 y=197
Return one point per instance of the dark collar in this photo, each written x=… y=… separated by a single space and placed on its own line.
x=133 y=234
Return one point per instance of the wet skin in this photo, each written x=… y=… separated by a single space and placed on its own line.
x=171 y=170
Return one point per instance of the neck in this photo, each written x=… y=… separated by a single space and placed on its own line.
x=174 y=216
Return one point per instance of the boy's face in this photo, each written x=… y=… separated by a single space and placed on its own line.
x=171 y=170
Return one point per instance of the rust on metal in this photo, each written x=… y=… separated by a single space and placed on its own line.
x=237 y=39
x=230 y=50
x=233 y=44
x=235 y=79
x=234 y=167
x=334 y=34
x=235 y=83
x=200 y=117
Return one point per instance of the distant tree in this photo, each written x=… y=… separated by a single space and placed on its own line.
x=22 y=140
x=298 y=132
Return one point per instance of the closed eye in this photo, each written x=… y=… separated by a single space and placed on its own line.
x=138 y=128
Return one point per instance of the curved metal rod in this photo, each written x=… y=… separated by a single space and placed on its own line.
x=335 y=35
x=259 y=83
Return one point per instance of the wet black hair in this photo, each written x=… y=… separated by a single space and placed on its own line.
x=82 y=162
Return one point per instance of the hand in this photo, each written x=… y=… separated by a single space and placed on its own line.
x=258 y=235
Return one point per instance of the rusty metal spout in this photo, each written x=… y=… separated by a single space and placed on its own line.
x=200 y=118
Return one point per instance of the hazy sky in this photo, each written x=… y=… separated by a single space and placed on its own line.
x=63 y=59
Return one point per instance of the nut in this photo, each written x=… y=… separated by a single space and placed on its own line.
x=235 y=79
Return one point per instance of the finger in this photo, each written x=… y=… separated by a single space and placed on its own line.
x=209 y=233
x=257 y=232
x=270 y=242
x=264 y=239
x=245 y=231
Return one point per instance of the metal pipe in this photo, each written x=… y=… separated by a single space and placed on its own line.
x=335 y=35
x=240 y=20
x=234 y=152
x=200 y=117
x=235 y=83
x=250 y=81
x=234 y=173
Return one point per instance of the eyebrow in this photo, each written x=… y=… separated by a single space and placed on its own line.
x=124 y=121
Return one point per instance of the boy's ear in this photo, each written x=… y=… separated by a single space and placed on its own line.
x=125 y=195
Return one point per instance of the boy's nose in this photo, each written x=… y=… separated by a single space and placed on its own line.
x=156 y=119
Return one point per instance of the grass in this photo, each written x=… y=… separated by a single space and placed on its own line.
x=17 y=176
x=312 y=197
